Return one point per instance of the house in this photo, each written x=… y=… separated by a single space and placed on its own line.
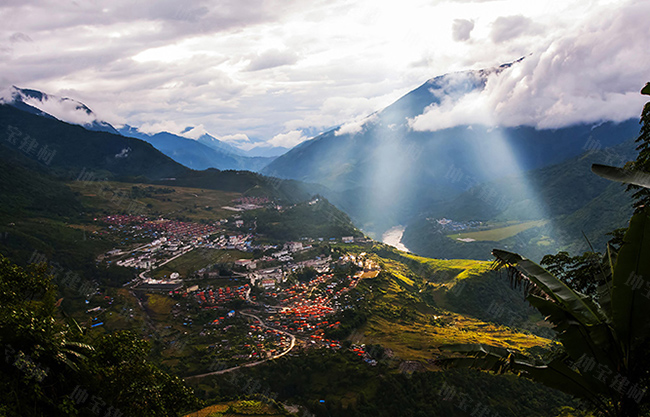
x=293 y=246
x=348 y=239
x=267 y=283
x=246 y=263
x=280 y=254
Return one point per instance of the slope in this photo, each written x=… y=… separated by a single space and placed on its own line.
x=568 y=195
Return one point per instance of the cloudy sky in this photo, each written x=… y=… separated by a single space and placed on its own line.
x=275 y=72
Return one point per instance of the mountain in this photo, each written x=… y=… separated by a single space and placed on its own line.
x=554 y=207
x=61 y=108
x=214 y=143
x=196 y=154
x=383 y=173
x=72 y=152
x=191 y=153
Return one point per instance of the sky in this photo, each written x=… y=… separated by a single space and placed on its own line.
x=270 y=73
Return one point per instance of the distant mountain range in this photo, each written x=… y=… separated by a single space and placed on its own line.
x=202 y=153
x=72 y=152
x=383 y=173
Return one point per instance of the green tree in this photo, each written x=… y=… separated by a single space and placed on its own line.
x=576 y=271
x=603 y=359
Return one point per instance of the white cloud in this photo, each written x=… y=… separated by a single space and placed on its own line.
x=355 y=126
x=288 y=140
x=587 y=75
x=67 y=110
x=506 y=28
x=195 y=132
x=263 y=69
x=156 y=127
x=238 y=139
x=271 y=59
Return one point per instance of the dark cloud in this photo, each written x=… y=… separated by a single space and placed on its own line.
x=461 y=29
x=19 y=37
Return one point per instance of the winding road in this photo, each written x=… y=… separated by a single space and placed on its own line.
x=251 y=364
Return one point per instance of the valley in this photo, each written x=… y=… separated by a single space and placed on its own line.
x=353 y=275
x=227 y=284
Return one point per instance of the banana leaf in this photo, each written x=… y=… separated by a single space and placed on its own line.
x=626 y=176
x=555 y=375
x=581 y=307
x=631 y=285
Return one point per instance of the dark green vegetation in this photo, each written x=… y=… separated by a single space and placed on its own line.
x=52 y=367
x=315 y=219
x=341 y=384
x=642 y=163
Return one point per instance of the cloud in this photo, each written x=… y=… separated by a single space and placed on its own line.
x=236 y=139
x=586 y=76
x=510 y=27
x=62 y=109
x=288 y=140
x=355 y=126
x=157 y=127
x=461 y=29
x=194 y=132
x=19 y=37
x=271 y=59
x=265 y=68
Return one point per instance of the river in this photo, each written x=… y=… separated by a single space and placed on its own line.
x=393 y=237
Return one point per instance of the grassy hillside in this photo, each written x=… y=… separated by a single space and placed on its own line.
x=316 y=219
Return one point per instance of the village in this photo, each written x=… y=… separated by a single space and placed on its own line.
x=255 y=308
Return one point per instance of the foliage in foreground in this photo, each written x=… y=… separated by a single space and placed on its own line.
x=53 y=368
x=606 y=337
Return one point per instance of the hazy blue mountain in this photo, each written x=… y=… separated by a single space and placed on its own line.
x=214 y=143
x=383 y=173
x=196 y=154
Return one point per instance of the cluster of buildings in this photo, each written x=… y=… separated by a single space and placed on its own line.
x=454 y=226
x=214 y=298
x=160 y=227
x=248 y=203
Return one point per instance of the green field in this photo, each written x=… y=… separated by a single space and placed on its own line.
x=499 y=233
x=198 y=259
x=188 y=203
